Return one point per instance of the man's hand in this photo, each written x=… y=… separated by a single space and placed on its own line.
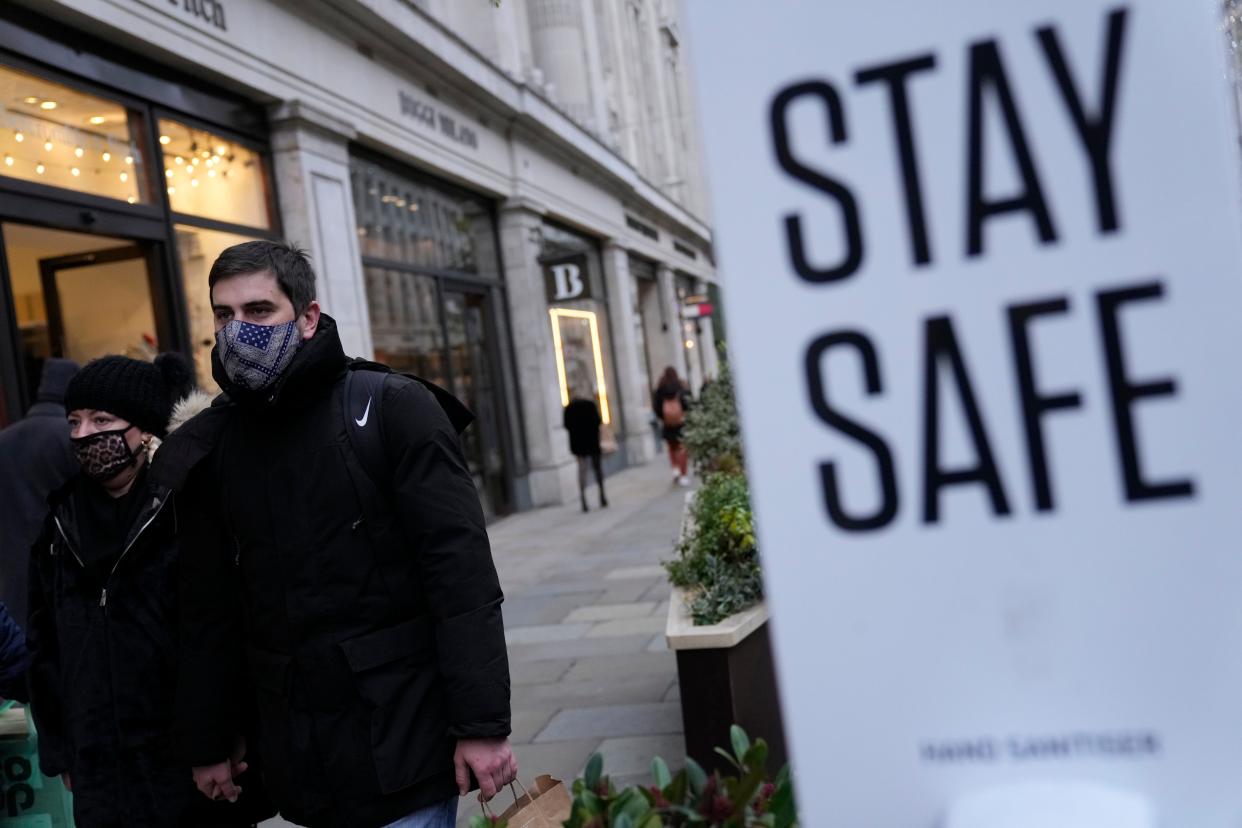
x=216 y=781
x=66 y=781
x=492 y=761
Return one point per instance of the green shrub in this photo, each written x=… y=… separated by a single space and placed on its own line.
x=745 y=799
x=712 y=434
x=717 y=560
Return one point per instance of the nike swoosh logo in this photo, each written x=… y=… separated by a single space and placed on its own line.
x=366 y=415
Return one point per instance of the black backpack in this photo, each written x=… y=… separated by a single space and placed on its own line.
x=361 y=406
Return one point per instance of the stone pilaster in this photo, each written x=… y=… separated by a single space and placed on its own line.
x=310 y=156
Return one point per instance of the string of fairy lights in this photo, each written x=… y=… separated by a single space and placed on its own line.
x=75 y=152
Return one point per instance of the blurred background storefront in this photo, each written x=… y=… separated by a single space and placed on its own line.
x=507 y=201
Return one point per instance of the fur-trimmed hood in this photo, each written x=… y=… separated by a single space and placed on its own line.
x=190 y=406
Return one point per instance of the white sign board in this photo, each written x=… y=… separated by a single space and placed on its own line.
x=983 y=280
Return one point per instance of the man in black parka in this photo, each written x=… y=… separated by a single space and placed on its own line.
x=363 y=604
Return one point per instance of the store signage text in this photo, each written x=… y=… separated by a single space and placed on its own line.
x=448 y=126
x=945 y=353
x=566 y=279
x=210 y=10
x=697 y=310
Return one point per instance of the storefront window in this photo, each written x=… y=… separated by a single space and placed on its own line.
x=401 y=219
x=212 y=177
x=405 y=322
x=54 y=135
x=78 y=296
x=433 y=279
x=574 y=278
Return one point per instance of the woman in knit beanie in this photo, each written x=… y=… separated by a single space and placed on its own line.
x=103 y=597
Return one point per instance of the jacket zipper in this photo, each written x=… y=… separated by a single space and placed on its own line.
x=103 y=594
x=68 y=543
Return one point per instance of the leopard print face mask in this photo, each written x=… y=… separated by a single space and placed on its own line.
x=104 y=454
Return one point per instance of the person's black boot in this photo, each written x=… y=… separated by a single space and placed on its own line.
x=603 y=501
x=584 y=503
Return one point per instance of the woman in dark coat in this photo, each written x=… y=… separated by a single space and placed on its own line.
x=103 y=605
x=582 y=421
x=670 y=401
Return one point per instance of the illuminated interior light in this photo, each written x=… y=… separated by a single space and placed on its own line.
x=39 y=168
x=32 y=100
x=205 y=154
x=598 y=352
x=179 y=160
x=107 y=156
x=193 y=182
x=130 y=199
x=8 y=160
x=18 y=137
x=689 y=344
x=79 y=152
x=165 y=140
x=129 y=159
x=124 y=177
x=75 y=172
x=48 y=105
x=211 y=173
x=172 y=190
x=98 y=119
x=168 y=173
x=221 y=150
x=47 y=145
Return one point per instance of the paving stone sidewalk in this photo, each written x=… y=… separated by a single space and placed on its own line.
x=585 y=603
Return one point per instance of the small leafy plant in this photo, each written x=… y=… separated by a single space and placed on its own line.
x=717 y=559
x=745 y=799
x=712 y=433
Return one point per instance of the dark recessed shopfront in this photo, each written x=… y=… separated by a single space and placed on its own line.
x=436 y=302
x=114 y=200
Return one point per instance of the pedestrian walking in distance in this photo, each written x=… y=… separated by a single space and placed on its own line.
x=36 y=459
x=582 y=421
x=341 y=515
x=103 y=608
x=670 y=401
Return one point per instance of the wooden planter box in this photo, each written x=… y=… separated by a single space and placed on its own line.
x=727 y=677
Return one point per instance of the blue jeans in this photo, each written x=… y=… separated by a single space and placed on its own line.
x=443 y=815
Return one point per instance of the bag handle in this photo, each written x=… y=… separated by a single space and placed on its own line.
x=488 y=811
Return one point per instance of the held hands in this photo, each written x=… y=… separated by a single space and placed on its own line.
x=492 y=762
x=216 y=781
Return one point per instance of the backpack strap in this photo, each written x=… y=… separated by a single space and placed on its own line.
x=363 y=409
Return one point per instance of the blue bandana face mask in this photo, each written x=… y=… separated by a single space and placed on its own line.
x=254 y=356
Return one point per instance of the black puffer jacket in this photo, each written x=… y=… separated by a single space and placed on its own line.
x=371 y=608
x=103 y=644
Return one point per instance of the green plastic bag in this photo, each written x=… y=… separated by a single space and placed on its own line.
x=27 y=798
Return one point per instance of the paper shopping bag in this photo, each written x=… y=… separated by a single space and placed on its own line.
x=545 y=804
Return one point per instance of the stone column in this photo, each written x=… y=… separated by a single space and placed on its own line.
x=674 y=334
x=553 y=476
x=707 y=341
x=708 y=358
x=310 y=157
x=635 y=405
